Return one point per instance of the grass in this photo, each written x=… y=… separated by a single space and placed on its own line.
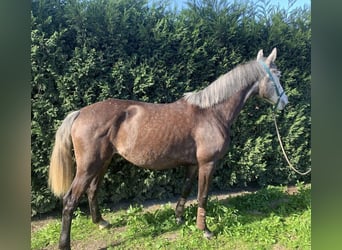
x=267 y=219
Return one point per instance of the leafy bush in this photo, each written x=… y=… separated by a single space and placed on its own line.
x=87 y=51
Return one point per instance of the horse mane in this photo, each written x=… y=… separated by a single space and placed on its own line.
x=226 y=85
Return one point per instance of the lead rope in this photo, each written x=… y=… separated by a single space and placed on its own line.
x=282 y=148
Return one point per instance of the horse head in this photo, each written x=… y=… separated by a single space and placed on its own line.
x=270 y=88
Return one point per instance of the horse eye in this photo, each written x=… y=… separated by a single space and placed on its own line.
x=277 y=73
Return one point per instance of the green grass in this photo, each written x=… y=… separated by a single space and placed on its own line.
x=267 y=219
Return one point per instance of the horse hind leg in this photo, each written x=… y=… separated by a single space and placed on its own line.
x=87 y=180
x=187 y=186
x=70 y=202
x=93 y=201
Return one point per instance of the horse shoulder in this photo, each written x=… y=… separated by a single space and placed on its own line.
x=212 y=139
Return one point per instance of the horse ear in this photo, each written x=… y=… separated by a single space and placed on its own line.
x=260 y=55
x=272 y=56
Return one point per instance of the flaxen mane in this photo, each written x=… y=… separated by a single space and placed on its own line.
x=226 y=85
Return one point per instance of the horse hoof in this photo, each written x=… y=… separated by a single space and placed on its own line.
x=179 y=220
x=103 y=224
x=207 y=234
x=64 y=247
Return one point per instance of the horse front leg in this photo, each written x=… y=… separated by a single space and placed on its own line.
x=205 y=173
x=188 y=183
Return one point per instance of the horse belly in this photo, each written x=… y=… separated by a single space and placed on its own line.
x=158 y=156
x=151 y=142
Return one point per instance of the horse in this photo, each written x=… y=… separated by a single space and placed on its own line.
x=192 y=132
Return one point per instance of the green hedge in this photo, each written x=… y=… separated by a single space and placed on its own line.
x=86 y=51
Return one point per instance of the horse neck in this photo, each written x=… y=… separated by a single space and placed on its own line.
x=228 y=110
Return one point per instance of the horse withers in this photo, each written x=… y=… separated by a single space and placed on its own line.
x=192 y=132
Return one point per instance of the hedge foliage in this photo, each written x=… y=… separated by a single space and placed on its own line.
x=84 y=51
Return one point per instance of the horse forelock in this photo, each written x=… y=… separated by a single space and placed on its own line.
x=226 y=85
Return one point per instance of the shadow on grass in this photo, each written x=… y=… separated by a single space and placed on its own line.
x=267 y=203
x=143 y=224
x=272 y=200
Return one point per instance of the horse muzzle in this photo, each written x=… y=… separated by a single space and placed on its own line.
x=282 y=101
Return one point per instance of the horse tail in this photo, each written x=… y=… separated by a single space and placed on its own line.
x=61 y=163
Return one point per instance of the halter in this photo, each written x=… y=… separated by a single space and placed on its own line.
x=270 y=75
